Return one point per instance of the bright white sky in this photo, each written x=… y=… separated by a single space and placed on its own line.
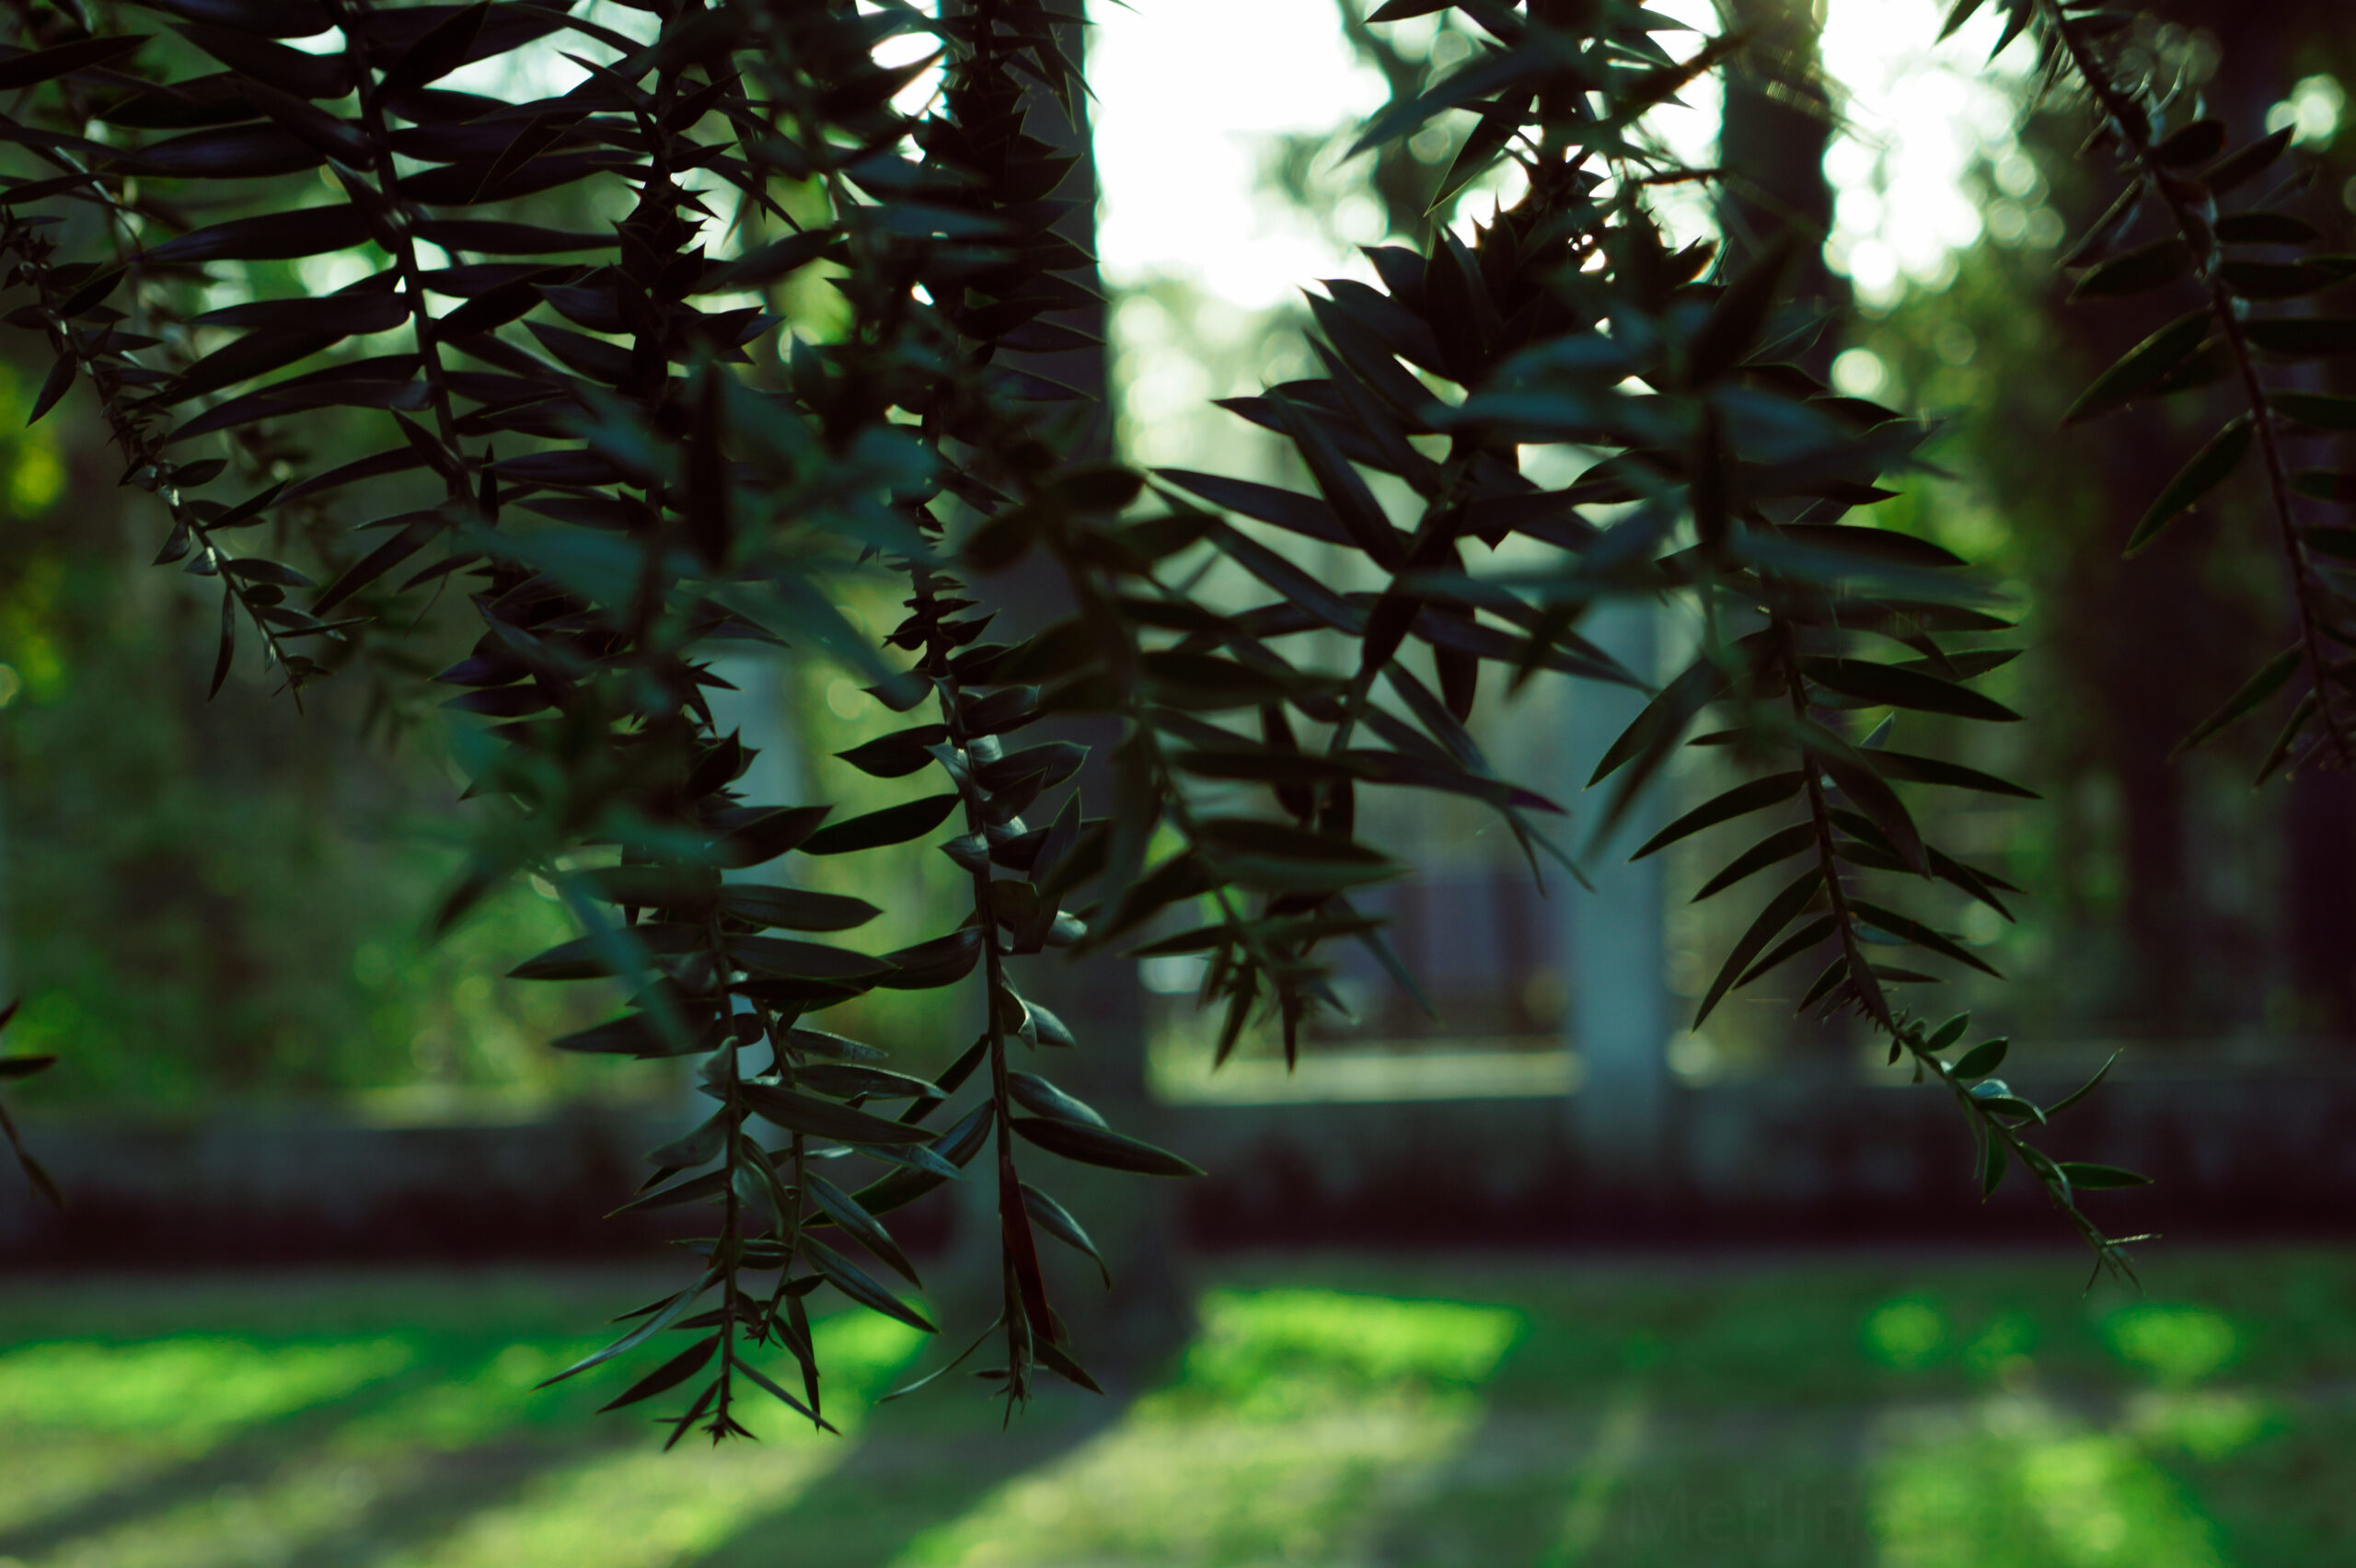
x=1186 y=113
x=1918 y=116
x=1185 y=203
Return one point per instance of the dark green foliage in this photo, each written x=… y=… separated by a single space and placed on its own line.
x=689 y=476
x=2204 y=471
x=2159 y=141
x=13 y=1069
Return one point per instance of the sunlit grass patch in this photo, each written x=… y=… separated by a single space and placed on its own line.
x=630 y=1509
x=81 y=1419
x=2001 y=1346
x=1914 y=1333
x=2209 y=1425
x=1657 y=1488
x=2024 y=1479
x=1906 y=1333
x=2014 y=1482
x=2177 y=1345
x=644 y=1508
x=2284 y=1498
x=476 y=1400
x=1207 y=1491
x=1290 y=1351
x=186 y=1390
x=436 y=1474
x=1299 y=1421
x=303 y=1500
x=1411 y=1412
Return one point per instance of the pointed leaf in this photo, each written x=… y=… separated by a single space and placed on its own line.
x=1343 y=489
x=894 y=825
x=794 y=909
x=2145 y=268
x=1991 y=1165
x=2096 y=1176
x=1960 y=13
x=646 y=1330
x=1893 y=685
x=1663 y=719
x=1100 y=1146
x=55 y=385
x=1932 y=770
x=1914 y=932
x=1734 y=322
x=2208 y=468
x=769 y=1386
x=269 y=237
x=2238 y=169
x=1055 y=1359
x=412 y=538
x=2086 y=1088
x=860 y=1285
x=2196 y=142
x=897 y=755
x=2141 y=367
x=1775 y=846
x=1743 y=799
x=228 y=643
x=446 y=46
x=1038 y=1096
x=1790 y=948
x=1777 y=913
x=670 y=1374
x=1981 y=1060
x=1865 y=788
x=2271 y=679
x=1057 y=1221
x=858 y=1224
x=808 y=1114
x=1286 y=509
x=31 y=68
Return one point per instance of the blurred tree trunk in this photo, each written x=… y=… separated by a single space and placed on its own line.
x=1124 y=1336
x=2166 y=621
x=1772 y=136
x=1773 y=131
x=2319 y=903
x=2148 y=667
x=2135 y=678
x=2145 y=670
x=2264 y=50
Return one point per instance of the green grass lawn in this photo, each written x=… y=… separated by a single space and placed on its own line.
x=1917 y=1413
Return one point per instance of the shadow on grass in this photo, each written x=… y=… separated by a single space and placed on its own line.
x=898 y=1486
x=246 y=1459
x=443 y=1492
x=437 y=1490
x=1615 y=1475
x=1299 y=1422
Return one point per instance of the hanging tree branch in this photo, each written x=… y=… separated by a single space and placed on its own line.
x=670 y=496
